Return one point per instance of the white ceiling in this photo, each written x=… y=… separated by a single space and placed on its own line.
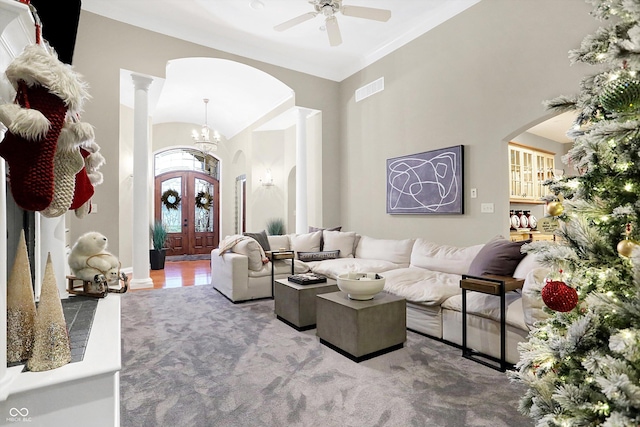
x=556 y=127
x=236 y=27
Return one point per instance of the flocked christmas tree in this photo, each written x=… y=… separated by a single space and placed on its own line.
x=581 y=366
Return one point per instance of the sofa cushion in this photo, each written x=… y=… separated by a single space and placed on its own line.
x=528 y=263
x=445 y=258
x=420 y=285
x=261 y=238
x=395 y=251
x=499 y=256
x=532 y=304
x=318 y=256
x=307 y=242
x=342 y=241
x=334 y=267
x=282 y=267
x=279 y=242
x=488 y=306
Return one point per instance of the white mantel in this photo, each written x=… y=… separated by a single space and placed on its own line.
x=83 y=393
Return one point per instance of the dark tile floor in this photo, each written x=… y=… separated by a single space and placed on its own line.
x=78 y=312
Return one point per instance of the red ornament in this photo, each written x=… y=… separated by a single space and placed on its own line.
x=559 y=297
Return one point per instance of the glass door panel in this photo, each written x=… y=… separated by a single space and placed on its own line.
x=171 y=215
x=203 y=213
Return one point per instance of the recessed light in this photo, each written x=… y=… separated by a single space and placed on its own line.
x=257 y=4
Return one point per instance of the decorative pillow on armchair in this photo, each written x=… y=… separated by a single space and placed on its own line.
x=261 y=238
x=251 y=249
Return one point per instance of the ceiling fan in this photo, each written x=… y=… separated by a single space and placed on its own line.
x=329 y=8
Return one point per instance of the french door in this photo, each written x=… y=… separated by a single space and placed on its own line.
x=187 y=204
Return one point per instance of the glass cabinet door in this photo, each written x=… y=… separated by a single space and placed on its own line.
x=515 y=173
x=528 y=170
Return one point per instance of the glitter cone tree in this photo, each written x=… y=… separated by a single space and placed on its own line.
x=51 y=347
x=21 y=306
x=582 y=366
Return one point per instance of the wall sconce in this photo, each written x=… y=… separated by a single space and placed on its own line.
x=268 y=179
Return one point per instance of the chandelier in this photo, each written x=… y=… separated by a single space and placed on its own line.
x=203 y=140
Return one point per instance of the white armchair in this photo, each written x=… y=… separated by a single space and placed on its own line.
x=232 y=277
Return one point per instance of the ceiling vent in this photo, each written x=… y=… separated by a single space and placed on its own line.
x=369 y=89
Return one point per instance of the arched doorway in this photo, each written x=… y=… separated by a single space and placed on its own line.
x=187 y=200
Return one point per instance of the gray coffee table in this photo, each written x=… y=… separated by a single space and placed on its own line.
x=361 y=330
x=295 y=304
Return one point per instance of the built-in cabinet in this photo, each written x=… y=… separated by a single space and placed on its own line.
x=528 y=169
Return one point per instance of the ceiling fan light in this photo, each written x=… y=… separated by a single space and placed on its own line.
x=257 y=4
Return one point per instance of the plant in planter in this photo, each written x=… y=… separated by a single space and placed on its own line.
x=275 y=227
x=159 y=237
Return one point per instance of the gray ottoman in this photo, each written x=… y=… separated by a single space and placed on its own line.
x=295 y=304
x=361 y=330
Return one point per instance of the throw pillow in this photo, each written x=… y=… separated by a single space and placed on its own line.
x=341 y=241
x=309 y=242
x=499 y=256
x=313 y=229
x=261 y=238
x=395 y=251
x=318 y=256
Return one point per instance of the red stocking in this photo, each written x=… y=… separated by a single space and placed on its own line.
x=31 y=160
x=46 y=90
x=84 y=189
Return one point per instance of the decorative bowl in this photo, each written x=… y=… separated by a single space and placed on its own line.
x=360 y=286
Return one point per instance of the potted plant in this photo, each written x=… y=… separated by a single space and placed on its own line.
x=159 y=238
x=275 y=227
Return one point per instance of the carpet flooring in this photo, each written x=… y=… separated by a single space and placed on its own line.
x=192 y=358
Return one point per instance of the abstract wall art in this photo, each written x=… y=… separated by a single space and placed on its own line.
x=426 y=183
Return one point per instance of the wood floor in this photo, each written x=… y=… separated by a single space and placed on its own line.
x=177 y=274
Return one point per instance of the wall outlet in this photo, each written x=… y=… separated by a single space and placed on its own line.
x=474 y=193
x=486 y=207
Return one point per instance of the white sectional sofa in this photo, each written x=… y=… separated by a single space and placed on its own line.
x=426 y=274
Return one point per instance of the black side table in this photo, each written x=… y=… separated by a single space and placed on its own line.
x=279 y=256
x=491 y=285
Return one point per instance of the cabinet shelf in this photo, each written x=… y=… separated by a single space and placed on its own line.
x=526 y=201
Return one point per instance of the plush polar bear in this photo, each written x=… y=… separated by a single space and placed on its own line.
x=89 y=260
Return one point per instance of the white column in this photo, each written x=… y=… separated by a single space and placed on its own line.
x=302 y=225
x=141 y=152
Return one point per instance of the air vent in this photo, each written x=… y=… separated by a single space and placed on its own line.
x=369 y=89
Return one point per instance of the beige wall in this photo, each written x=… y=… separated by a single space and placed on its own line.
x=478 y=80
x=105 y=46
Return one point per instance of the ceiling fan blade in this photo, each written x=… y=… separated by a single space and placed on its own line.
x=333 y=31
x=295 y=21
x=366 y=13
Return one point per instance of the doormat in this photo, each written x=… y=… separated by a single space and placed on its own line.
x=187 y=257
